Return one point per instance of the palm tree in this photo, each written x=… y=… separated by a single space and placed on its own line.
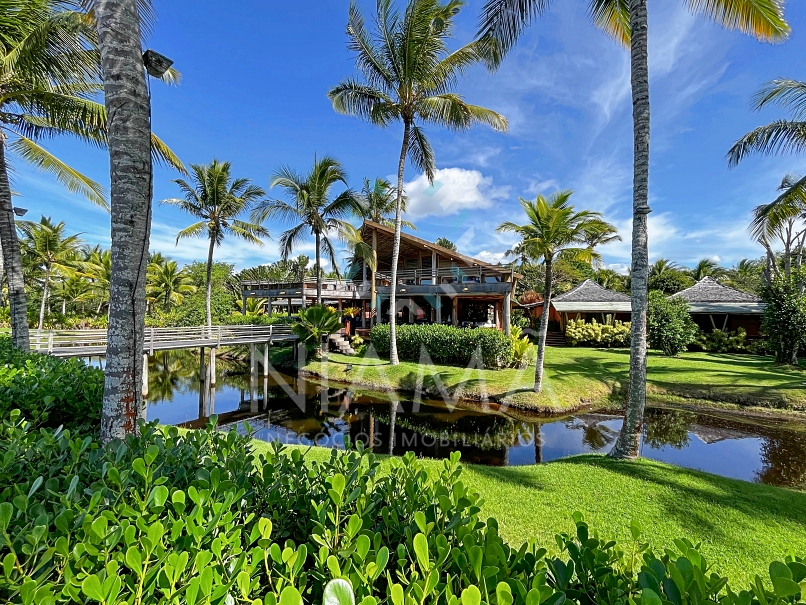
x=379 y=200
x=502 y=22
x=48 y=251
x=706 y=268
x=446 y=243
x=313 y=210
x=408 y=74
x=73 y=290
x=97 y=266
x=167 y=284
x=554 y=229
x=661 y=266
x=607 y=278
x=218 y=200
x=51 y=74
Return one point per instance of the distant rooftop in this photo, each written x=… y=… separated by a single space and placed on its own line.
x=590 y=291
x=708 y=290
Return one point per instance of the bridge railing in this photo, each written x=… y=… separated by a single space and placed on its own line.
x=49 y=341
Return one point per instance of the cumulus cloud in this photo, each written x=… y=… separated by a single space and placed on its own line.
x=454 y=190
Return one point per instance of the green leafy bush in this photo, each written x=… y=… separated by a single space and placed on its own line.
x=446 y=344
x=609 y=334
x=49 y=390
x=669 y=325
x=195 y=518
x=314 y=324
x=718 y=341
x=524 y=352
x=784 y=319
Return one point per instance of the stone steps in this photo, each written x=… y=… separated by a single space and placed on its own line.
x=338 y=342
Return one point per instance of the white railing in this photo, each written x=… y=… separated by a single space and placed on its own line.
x=66 y=341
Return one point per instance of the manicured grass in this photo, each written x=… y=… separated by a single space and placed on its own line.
x=576 y=376
x=742 y=526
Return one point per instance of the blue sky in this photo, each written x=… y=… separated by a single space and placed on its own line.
x=255 y=77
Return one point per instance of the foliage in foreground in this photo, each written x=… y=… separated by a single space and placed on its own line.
x=488 y=347
x=51 y=391
x=196 y=518
x=669 y=324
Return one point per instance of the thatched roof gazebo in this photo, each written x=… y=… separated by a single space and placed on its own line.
x=709 y=300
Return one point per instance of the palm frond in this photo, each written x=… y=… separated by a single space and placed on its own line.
x=502 y=22
x=779 y=137
x=74 y=181
x=421 y=153
x=162 y=154
x=195 y=230
x=790 y=94
x=762 y=19
x=613 y=18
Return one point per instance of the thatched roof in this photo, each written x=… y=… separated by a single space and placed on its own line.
x=709 y=296
x=589 y=296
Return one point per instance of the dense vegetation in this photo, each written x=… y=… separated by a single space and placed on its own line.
x=194 y=518
x=486 y=347
x=52 y=391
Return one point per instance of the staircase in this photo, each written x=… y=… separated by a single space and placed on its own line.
x=556 y=339
x=338 y=342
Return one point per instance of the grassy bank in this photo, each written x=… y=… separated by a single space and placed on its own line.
x=578 y=376
x=742 y=526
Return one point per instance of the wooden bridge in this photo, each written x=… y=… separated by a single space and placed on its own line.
x=92 y=343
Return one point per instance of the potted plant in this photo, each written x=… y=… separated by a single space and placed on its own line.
x=350 y=315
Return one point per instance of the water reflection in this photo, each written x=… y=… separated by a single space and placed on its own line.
x=310 y=413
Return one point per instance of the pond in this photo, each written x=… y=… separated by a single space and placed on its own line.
x=307 y=412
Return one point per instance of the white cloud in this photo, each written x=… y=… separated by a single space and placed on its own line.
x=491 y=257
x=454 y=190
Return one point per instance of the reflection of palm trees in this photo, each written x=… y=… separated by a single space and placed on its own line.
x=166 y=374
x=784 y=460
x=392 y=422
x=538 y=440
x=595 y=434
x=668 y=427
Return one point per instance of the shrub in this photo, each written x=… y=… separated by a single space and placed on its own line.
x=784 y=319
x=314 y=325
x=524 y=353
x=51 y=391
x=669 y=325
x=721 y=342
x=671 y=281
x=609 y=334
x=446 y=344
x=195 y=518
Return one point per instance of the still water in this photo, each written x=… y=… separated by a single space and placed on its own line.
x=298 y=411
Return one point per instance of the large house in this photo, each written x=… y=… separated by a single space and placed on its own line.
x=434 y=285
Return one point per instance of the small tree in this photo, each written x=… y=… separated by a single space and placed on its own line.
x=669 y=325
x=670 y=281
x=784 y=320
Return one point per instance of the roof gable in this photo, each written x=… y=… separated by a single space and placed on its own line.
x=708 y=290
x=590 y=291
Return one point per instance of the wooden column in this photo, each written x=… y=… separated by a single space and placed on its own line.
x=213 y=352
x=268 y=306
x=507 y=304
x=289 y=306
x=243 y=303
x=455 y=313
x=434 y=261
x=266 y=359
x=439 y=308
x=373 y=296
x=411 y=310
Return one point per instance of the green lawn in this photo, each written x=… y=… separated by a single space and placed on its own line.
x=742 y=526
x=576 y=376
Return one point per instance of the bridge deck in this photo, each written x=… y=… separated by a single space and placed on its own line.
x=91 y=343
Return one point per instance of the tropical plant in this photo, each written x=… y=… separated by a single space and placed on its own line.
x=167 y=285
x=600 y=234
x=446 y=243
x=408 y=74
x=671 y=281
x=669 y=324
x=501 y=24
x=609 y=334
x=707 y=267
x=254 y=308
x=524 y=352
x=97 y=266
x=48 y=251
x=610 y=279
x=73 y=290
x=314 y=325
x=554 y=229
x=379 y=199
x=661 y=266
x=313 y=210
x=746 y=275
x=784 y=319
x=218 y=199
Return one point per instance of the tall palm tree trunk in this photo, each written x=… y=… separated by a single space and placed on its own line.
x=393 y=359
x=629 y=440
x=129 y=109
x=318 y=272
x=12 y=259
x=208 y=285
x=45 y=291
x=544 y=328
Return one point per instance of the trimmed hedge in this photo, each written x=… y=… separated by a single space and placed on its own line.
x=446 y=344
x=50 y=391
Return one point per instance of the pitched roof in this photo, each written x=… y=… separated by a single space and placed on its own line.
x=590 y=291
x=708 y=290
